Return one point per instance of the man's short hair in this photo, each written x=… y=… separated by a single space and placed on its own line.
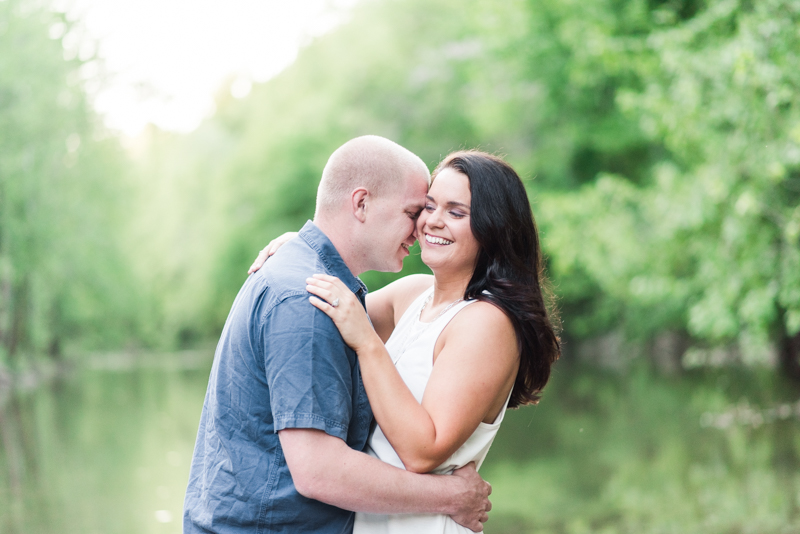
x=375 y=163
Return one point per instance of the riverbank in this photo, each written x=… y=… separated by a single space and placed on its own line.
x=44 y=372
x=33 y=376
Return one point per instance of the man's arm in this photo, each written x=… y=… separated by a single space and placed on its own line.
x=324 y=468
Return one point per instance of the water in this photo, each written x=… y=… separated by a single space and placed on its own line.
x=107 y=450
x=638 y=453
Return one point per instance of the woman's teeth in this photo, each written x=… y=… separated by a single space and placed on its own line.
x=437 y=240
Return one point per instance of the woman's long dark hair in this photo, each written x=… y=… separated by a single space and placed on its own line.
x=509 y=272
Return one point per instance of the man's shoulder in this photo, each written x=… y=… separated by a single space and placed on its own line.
x=282 y=279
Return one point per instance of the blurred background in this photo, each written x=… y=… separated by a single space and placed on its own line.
x=149 y=149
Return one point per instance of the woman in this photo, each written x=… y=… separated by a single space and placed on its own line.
x=460 y=346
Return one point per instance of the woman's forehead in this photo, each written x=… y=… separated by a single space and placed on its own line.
x=450 y=185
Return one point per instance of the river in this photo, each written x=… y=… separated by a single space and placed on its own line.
x=107 y=449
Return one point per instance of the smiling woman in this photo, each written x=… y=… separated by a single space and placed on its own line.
x=508 y=270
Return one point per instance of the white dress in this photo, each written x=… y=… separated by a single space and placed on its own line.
x=411 y=348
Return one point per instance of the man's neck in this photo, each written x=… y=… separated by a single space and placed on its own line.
x=342 y=240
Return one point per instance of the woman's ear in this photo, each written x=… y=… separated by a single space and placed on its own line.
x=359 y=199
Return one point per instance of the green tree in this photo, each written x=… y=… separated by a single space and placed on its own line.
x=661 y=139
x=62 y=278
x=710 y=242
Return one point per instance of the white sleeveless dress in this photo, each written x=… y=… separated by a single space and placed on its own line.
x=411 y=348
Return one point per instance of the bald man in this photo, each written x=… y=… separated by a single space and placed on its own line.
x=286 y=416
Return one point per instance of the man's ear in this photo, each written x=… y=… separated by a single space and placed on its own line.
x=359 y=199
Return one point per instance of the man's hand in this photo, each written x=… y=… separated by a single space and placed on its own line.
x=475 y=504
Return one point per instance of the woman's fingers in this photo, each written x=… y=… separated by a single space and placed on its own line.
x=260 y=259
x=321 y=292
x=333 y=281
x=330 y=279
x=269 y=250
x=322 y=305
x=332 y=290
x=336 y=300
x=320 y=284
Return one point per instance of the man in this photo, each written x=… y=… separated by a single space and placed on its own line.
x=286 y=415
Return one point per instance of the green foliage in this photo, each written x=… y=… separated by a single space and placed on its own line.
x=710 y=242
x=660 y=143
x=61 y=199
x=504 y=77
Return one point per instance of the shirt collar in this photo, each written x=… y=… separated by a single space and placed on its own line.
x=318 y=241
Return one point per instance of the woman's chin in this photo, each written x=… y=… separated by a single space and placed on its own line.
x=427 y=258
x=433 y=260
x=444 y=265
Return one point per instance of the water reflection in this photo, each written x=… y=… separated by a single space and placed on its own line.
x=638 y=453
x=108 y=451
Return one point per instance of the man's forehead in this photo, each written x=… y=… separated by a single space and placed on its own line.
x=417 y=184
x=415 y=196
x=412 y=196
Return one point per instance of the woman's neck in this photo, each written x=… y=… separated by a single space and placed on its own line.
x=447 y=289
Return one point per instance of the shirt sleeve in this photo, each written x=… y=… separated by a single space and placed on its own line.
x=309 y=369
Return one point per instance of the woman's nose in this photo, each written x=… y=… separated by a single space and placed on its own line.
x=435 y=218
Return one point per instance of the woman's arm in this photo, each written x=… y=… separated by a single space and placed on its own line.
x=472 y=375
x=476 y=362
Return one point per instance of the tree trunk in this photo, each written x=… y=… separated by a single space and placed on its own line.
x=790 y=356
x=19 y=318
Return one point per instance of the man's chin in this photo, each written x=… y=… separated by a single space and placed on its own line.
x=397 y=266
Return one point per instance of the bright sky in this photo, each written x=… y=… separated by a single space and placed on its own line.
x=165 y=59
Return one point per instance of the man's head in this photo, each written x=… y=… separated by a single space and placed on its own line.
x=371 y=192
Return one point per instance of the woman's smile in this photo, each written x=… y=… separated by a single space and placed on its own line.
x=435 y=240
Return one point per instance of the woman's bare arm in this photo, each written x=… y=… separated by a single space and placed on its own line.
x=472 y=375
x=476 y=361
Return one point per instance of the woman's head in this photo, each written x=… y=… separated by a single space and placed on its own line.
x=444 y=226
x=501 y=246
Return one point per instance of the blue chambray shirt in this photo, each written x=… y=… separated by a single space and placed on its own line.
x=280 y=363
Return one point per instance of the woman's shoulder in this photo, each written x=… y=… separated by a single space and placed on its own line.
x=405 y=290
x=484 y=319
x=392 y=300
